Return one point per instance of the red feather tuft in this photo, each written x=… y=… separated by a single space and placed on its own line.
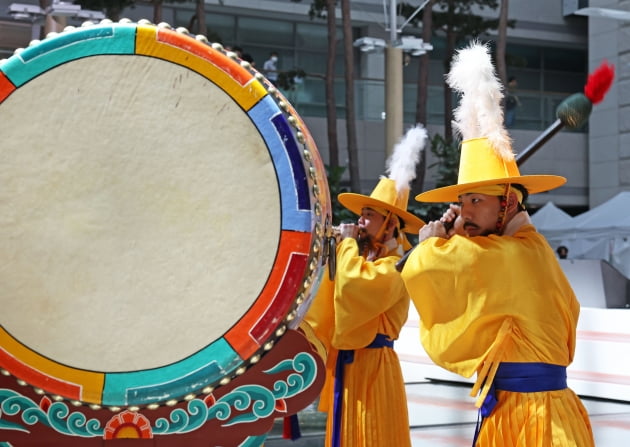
x=599 y=82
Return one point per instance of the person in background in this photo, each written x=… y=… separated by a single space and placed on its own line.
x=238 y=50
x=249 y=58
x=270 y=68
x=511 y=102
x=491 y=295
x=358 y=315
x=562 y=251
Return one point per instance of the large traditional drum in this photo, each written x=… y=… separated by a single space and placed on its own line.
x=162 y=215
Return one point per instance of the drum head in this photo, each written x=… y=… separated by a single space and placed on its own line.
x=161 y=212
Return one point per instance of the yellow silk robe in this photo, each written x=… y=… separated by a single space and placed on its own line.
x=486 y=300
x=365 y=299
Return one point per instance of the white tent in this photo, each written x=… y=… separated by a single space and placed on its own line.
x=600 y=233
x=550 y=216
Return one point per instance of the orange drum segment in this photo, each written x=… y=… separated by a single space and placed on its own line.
x=162 y=215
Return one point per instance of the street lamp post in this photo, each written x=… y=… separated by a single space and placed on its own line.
x=393 y=97
x=54 y=16
x=394 y=112
x=394 y=50
x=393 y=86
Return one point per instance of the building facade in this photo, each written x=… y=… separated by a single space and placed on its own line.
x=550 y=51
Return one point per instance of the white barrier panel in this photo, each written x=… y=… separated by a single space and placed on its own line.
x=601 y=366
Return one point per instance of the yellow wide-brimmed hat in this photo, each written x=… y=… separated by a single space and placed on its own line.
x=481 y=165
x=384 y=197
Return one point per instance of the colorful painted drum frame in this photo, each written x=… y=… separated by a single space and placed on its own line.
x=305 y=212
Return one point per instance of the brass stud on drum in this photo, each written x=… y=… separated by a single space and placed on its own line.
x=95 y=407
x=225 y=381
x=189 y=397
x=171 y=402
x=153 y=406
x=114 y=409
x=207 y=390
x=134 y=408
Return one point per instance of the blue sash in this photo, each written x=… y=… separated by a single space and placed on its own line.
x=521 y=378
x=345 y=357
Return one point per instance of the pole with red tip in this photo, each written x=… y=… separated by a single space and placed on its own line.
x=574 y=111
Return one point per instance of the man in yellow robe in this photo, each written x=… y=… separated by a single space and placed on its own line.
x=358 y=315
x=493 y=300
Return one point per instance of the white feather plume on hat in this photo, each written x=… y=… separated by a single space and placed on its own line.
x=392 y=192
x=401 y=166
x=479 y=113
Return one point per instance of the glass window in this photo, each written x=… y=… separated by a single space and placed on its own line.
x=439 y=48
x=521 y=56
x=563 y=59
x=316 y=63
x=526 y=79
x=313 y=36
x=183 y=17
x=273 y=33
x=564 y=82
x=222 y=26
